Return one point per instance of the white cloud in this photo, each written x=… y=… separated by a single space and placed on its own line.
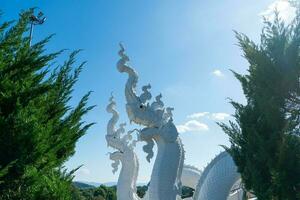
x=83 y=172
x=217 y=73
x=214 y=116
x=220 y=116
x=192 y=126
x=286 y=11
x=197 y=115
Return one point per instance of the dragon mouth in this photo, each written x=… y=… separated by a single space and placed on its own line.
x=117 y=155
x=116 y=152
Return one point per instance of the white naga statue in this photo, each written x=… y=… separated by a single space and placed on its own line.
x=125 y=155
x=169 y=173
x=126 y=187
x=165 y=183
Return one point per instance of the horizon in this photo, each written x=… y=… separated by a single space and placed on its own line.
x=184 y=51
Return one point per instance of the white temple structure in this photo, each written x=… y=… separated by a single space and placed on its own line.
x=218 y=181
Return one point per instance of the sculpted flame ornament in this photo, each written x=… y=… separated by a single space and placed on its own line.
x=165 y=183
x=126 y=187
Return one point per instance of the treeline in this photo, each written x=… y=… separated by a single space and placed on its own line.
x=83 y=192
x=98 y=193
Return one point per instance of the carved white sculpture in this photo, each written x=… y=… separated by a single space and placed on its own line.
x=165 y=181
x=126 y=186
x=217 y=179
x=168 y=173
x=237 y=191
x=190 y=176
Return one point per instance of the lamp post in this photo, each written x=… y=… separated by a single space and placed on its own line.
x=35 y=20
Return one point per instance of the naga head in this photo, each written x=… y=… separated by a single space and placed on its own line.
x=156 y=119
x=116 y=138
x=138 y=108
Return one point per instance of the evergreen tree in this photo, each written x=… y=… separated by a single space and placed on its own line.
x=265 y=142
x=38 y=130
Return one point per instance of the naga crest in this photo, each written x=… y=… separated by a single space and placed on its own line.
x=139 y=110
x=116 y=138
x=154 y=116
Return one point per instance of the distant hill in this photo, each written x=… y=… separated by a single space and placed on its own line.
x=82 y=185
x=96 y=184
x=108 y=184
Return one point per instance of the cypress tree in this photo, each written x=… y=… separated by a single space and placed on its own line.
x=38 y=129
x=265 y=142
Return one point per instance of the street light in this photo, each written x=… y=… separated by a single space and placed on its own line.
x=35 y=20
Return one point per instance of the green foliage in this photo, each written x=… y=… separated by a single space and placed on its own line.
x=141 y=190
x=38 y=130
x=100 y=193
x=82 y=185
x=187 y=192
x=265 y=142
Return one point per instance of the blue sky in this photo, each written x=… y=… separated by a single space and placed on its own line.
x=183 y=48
